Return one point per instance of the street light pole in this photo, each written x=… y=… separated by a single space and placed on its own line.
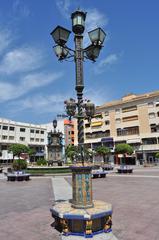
x=79 y=89
x=78 y=220
x=60 y=36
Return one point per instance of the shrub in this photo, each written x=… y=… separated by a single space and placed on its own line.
x=41 y=161
x=19 y=164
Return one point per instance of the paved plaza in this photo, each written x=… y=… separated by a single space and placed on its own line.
x=25 y=214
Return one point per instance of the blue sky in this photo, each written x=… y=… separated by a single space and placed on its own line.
x=34 y=85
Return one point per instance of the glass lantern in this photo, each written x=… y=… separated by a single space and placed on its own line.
x=78 y=21
x=97 y=36
x=60 y=35
x=92 y=52
x=61 y=52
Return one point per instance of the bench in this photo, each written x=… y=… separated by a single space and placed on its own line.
x=98 y=174
x=125 y=170
x=108 y=167
x=18 y=177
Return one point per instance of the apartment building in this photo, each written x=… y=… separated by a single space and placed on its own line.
x=69 y=132
x=134 y=119
x=34 y=136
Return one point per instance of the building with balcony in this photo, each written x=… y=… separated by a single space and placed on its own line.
x=134 y=119
x=34 y=136
x=69 y=132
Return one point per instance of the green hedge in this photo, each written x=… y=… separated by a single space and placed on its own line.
x=48 y=170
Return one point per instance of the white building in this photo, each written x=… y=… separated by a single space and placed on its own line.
x=32 y=135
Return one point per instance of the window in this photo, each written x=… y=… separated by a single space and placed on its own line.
x=5 y=127
x=107 y=122
x=11 y=128
x=37 y=139
x=157 y=104
x=42 y=140
x=98 y=134
x=118 y=120
x=87 y=125
x=154 y=128
x=22 y=129
x=147 y=141
x=128 y=131
x=150 y=104
x=0 y=126
x=117 y=110
x=4 y=137
x=22 y=139
x=31 y=139
x=129 y=109
x=152 y=115
x=11 y=137
x=31 y=130
x=157 y=114
x=42 y=132
x=131 y=118
x=37 y=131
x=106 y=113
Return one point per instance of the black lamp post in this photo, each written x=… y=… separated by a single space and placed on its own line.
x=74 y=217
x=60 y=36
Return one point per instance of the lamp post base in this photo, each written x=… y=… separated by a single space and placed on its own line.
x=83 y=222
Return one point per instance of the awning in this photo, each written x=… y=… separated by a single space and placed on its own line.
x=95 y=124
x=136 y=140
x=107 y=140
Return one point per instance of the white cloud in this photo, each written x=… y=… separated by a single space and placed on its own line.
x=38 y=80
x=64 y=7
x=20 y=9
x=41 y=104
x=29 y=82
x=109 y=60
x=106 y=63
x=5 y=39
x=21 y=60
x=98 y=96
x=94 y=19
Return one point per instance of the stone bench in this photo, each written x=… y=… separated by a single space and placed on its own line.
x=18 y=177
x=108 y=168
x=99 y=174
x=125 y=170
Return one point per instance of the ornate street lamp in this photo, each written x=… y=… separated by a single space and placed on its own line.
x=92 y=52
x=97 y=36
x=90 y=109
x=60 y=35
x=100 y=218
x=78 y=21
x=61 y=52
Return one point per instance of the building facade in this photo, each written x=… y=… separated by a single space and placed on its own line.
x=34 y=136
x=134 y=119
x=69 y=132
